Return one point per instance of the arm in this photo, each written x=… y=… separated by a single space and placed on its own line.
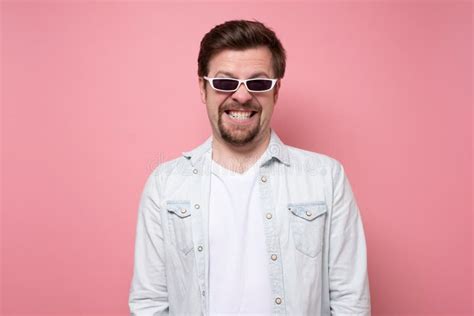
x=348 y=279
x=148 y=291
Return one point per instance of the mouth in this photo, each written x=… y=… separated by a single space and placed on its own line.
x=240 y=116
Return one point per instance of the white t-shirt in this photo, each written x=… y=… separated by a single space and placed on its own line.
x=238 y=278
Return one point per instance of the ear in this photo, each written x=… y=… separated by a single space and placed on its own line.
x=277 y=91
x=202 y=89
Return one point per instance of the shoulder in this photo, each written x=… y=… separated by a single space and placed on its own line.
x=302 y=158
x=167 y=177
x=174 y=167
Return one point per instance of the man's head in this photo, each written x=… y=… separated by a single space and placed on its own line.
x=240 y=50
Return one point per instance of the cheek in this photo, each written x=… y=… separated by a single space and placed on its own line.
x=212 y=104
x=267 y=115
x=215 y=100
x=267 y=107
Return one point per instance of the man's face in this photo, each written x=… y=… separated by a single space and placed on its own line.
x=240 y=117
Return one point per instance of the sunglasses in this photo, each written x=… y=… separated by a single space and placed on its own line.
x=231 y=85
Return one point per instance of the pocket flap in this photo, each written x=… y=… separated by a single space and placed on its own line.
x=308 y=211
x=180 y=208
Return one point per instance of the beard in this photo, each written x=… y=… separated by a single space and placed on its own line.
x=235 y=134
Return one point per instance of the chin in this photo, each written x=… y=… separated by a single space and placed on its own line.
x=238 y=139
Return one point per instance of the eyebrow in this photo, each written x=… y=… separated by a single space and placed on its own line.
x=258 y=74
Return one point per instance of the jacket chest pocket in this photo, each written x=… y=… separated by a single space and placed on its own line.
x=179 y=223
x=307 y=226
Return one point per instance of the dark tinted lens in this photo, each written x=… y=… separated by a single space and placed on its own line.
x=259 y=84
x=225 y=84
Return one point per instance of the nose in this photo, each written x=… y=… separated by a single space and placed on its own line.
x=242 y=95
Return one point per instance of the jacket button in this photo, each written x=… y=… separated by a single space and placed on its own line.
x=278 y=300
x=183 y=211
x=195 y=171
x=197 y=206
x=269 y=216
x=263 y=178
x=308 y=213
x=200 y=248
x=274 y=257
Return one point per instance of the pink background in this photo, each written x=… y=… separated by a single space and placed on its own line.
x=91 y=105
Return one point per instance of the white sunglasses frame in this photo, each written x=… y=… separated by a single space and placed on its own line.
x=244 y=81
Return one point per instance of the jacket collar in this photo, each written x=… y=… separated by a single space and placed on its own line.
x=276 y=149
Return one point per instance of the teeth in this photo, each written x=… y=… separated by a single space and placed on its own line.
x=239 y=115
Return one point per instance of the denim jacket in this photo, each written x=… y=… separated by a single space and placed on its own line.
x=314 y=236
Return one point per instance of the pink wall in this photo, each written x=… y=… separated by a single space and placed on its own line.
x=90 y=106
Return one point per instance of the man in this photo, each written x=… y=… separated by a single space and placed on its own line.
x=244 y=224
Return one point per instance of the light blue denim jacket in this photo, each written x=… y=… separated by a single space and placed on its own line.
x=314 y=236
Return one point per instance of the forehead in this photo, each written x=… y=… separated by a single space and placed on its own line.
x=242 y=63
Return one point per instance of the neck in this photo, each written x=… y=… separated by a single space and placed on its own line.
x=239 y=158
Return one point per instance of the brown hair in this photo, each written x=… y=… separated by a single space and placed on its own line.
x=241 y=35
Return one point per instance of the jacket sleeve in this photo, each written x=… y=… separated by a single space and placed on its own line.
x=148 y=291
x=348 y=277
